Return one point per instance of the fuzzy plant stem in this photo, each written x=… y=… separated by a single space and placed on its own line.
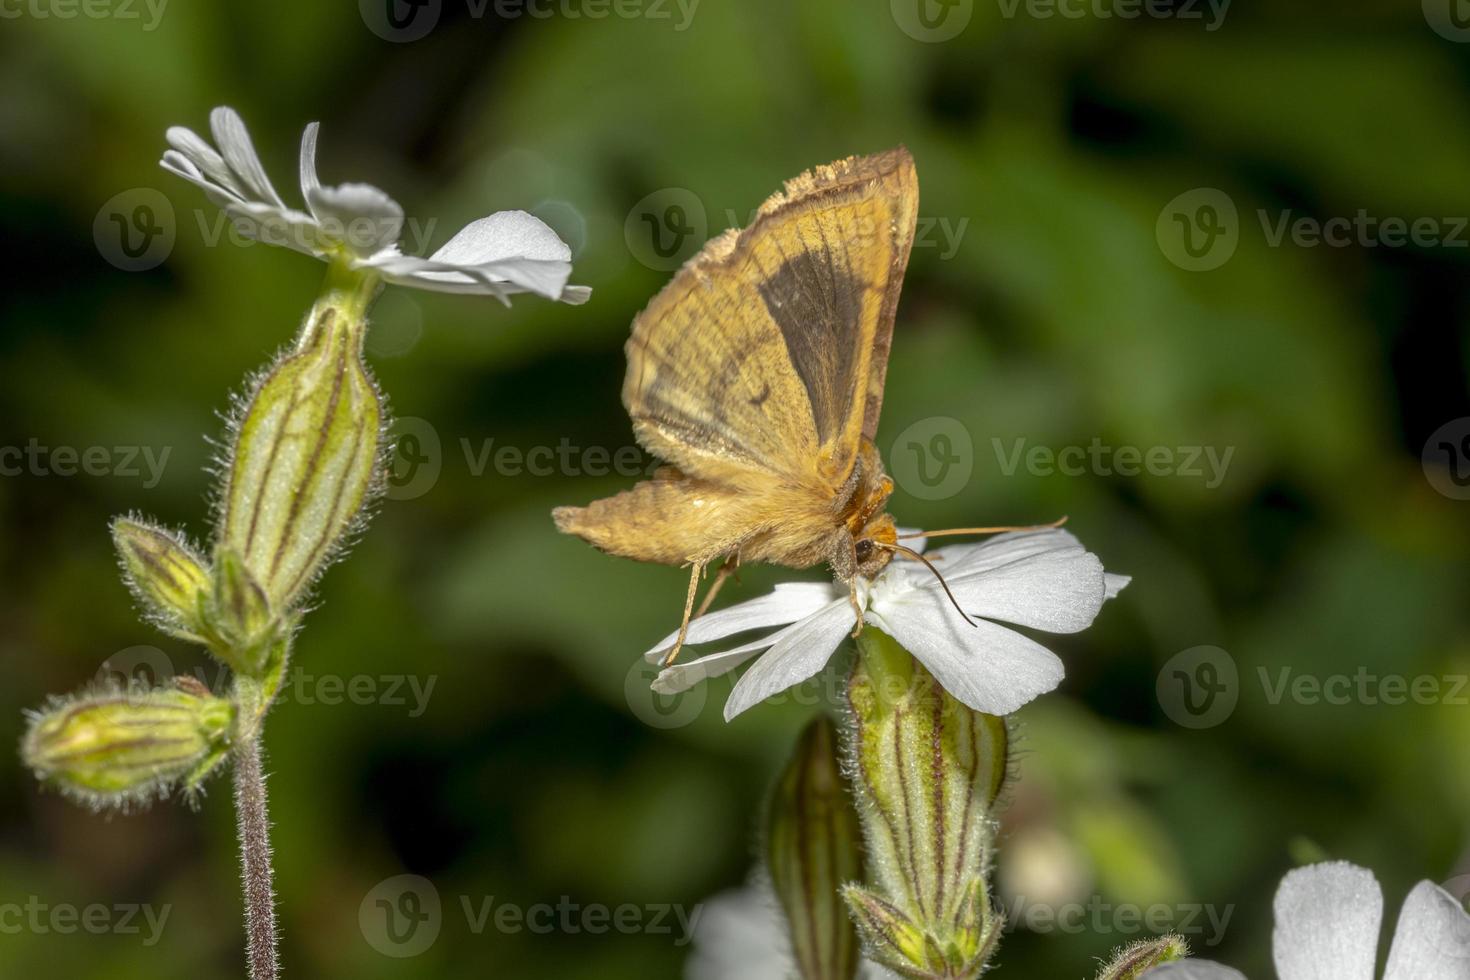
x=255 y=861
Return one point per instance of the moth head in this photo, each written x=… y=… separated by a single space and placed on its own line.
x=873 y=546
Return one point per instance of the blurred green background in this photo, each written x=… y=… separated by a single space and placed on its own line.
x=1052 y=299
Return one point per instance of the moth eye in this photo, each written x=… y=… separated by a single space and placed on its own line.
x=863 y=549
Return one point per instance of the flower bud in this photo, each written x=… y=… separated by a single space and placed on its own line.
x=929 y=770
x=892 y=937
x=306 y=453
x=813 y=848
x=117 y=747
x=1133 y=962
x=166 y=575
x=237 y=617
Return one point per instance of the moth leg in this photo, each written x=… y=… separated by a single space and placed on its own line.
x=852 y=595
x=857 y=608
x=727 y=570
x=697 y=568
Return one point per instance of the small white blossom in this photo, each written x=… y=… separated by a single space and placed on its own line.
x=504 y=253
x=742 y=936
x=1042 y=580
x=1328 y=918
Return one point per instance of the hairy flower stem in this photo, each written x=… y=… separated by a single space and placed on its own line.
x=255 y=860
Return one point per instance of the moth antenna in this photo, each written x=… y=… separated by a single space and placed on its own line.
x=911 y=553
x=950 y=532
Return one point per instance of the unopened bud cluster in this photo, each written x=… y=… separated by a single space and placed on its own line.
x=928 y=772
x=305 y=459
x=117 y=747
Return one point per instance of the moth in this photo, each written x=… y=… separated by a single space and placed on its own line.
x=757 y=375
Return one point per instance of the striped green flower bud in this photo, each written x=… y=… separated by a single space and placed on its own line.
x=929 y=771
x=166 y=575
x=238 y=621
x=120 y=747
x=306 y=452
x=813 y=848
x=1136 y=960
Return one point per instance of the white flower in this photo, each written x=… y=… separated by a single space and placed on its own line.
x=1327 y=923
x=1043 y=580
x=741 y=935
x=504 y=253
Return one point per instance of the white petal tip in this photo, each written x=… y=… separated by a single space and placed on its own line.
x=1114 y=584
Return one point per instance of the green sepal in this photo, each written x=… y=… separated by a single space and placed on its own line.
x=306 y=451
x=122 y=746
x=238 y=623
x=1136 y=960
x=813 y=848
x=165 y=573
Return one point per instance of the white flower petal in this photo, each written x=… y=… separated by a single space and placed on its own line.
x=237 y=150
x=1327 y=922
x=802 y=651
x=500 y=236
x=986 y=666
x=1432 y=938
x=310 y=182
x=502 y=278
x=787 y=603
x=971 y=558
x=1116 y=583
x=277 y=226
x=741 y=935
x=576 y=295
x=1193 y=970
x=359 y=216
x=204 y=158
x=681 y=677
x=221 y=195
x=868 y=970
x=1056 y=591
